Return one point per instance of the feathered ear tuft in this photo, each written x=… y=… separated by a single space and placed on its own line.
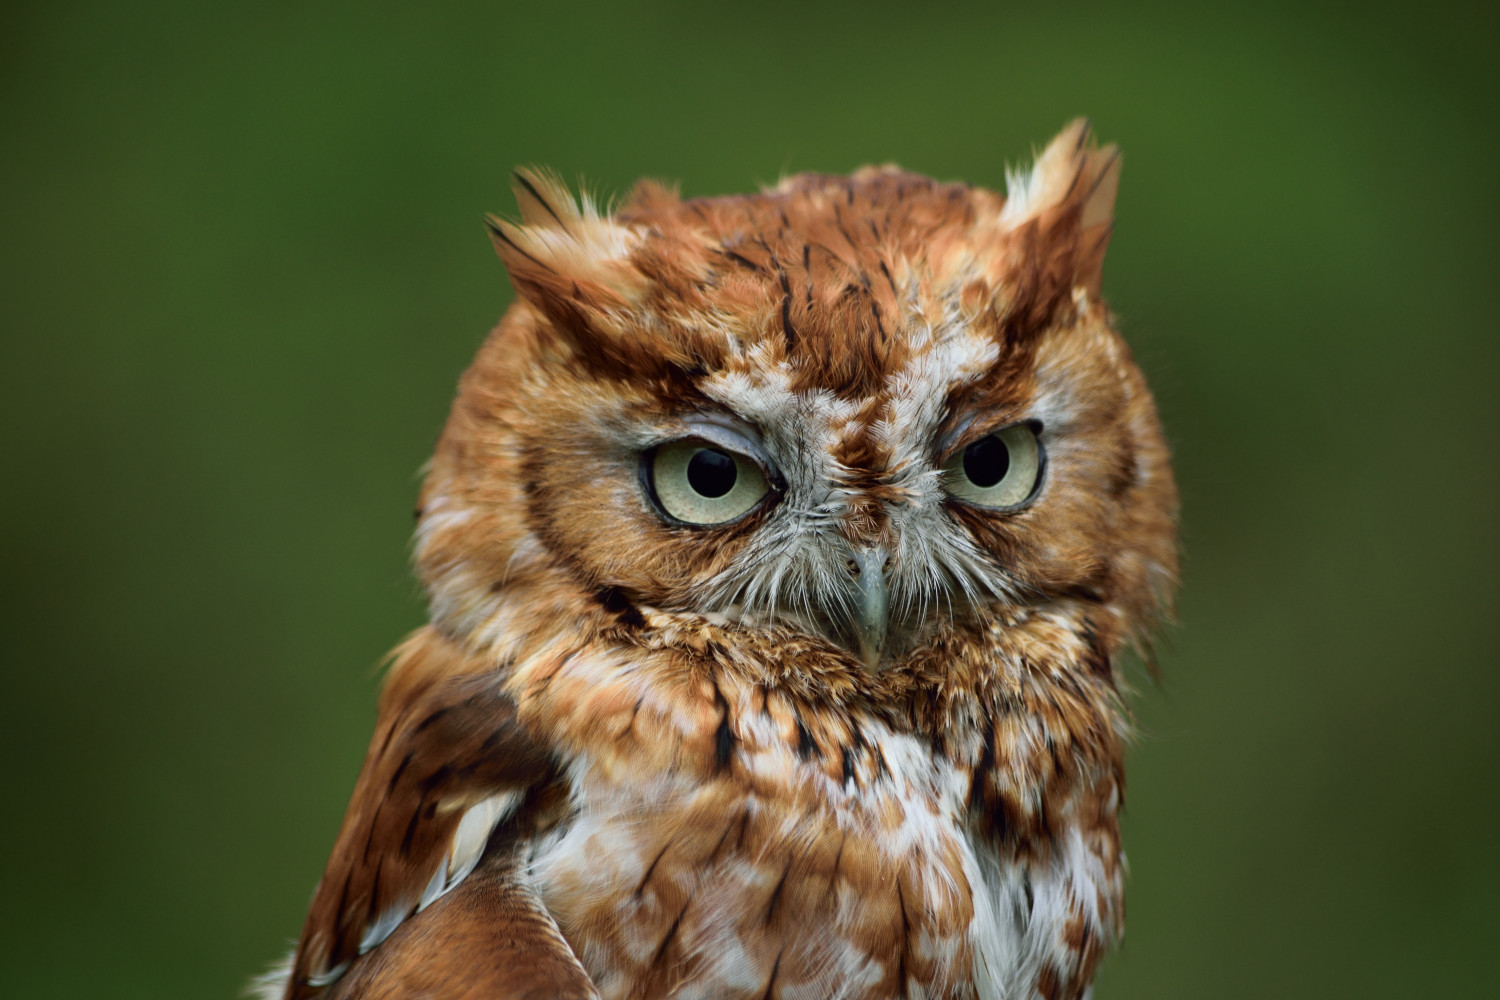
x=561 y=245
x=564 y=257
x=575 y=266
x=1059 y=215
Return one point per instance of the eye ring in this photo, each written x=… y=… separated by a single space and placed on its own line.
x=1001 y=471
x=702 y=483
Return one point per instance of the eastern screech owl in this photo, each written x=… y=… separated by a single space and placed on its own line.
x=779 y=551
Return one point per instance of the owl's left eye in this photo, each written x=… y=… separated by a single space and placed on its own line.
x=1000 y=470
x=699 y=482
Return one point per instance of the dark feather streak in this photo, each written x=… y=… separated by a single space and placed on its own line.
x=980 y=774
x=651 y=868
x=525 y=182
x=806 y=745
x=671 y=932
x=400 y=770
x=776 y=893
x=723 y=736
x=744 y=261
x=905 y=936
x=499 y=234
x=771 y=983
x=614 y=601
x=786 y=310
x=421 y=726
x=411 y=832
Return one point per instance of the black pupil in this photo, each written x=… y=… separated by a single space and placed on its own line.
x=986 y=461
x=711 y=473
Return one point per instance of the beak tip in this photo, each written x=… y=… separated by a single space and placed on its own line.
x=873 y=615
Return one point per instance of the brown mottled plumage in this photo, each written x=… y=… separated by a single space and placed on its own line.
x=779 y=550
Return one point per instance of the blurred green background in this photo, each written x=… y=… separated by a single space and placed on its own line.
x=243 y=267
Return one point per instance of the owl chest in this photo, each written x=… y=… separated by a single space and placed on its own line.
x=770 y=877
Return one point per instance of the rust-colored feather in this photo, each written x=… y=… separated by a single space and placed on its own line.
x=446 y=741
x=489 y=939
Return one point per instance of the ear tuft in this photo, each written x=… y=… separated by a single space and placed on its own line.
x=1062 y=209
x=1069 y=170
x=562 y=246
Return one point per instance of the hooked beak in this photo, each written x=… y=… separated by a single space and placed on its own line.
x=873 y=610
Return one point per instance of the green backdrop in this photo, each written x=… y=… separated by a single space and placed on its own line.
x=243 y=267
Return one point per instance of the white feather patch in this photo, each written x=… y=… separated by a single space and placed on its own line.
x=1020 y=913
x=474 y=832
x=436 y=886
x=329 y=976
x=375 y=934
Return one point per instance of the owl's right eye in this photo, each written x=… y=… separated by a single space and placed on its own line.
x=698 y=482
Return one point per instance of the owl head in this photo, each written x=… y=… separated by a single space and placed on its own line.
x=862 y=415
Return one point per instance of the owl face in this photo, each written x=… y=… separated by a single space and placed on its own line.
x=872 y=412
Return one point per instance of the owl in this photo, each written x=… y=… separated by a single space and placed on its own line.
x=780 y=552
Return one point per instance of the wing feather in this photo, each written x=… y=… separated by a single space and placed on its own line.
x=446 y=786
x=489 y=939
